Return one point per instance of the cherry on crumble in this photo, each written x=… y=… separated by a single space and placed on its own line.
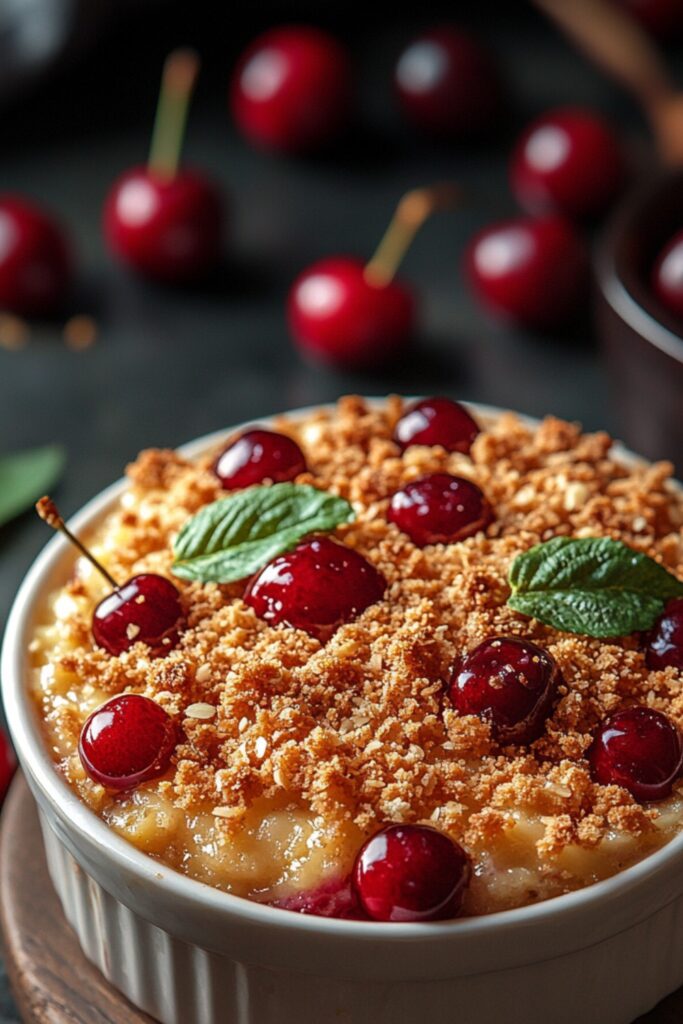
x=145 y=609
x=640 y=749
x=164 y=221
x=439 y=509
x=127 y=741
x=436 y=421
x=35 y=266
x=259 y=455
x=292 y=90
x=664 y=642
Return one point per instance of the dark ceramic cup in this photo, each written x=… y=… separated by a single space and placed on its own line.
x=641 y=341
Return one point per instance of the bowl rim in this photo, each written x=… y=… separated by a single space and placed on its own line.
x=23 y=721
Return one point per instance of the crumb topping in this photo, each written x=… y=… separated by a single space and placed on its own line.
x=359 y=729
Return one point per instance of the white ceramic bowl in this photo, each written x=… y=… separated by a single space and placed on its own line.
x=189 y=954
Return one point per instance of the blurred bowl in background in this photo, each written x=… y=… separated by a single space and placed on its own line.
x=641 y=340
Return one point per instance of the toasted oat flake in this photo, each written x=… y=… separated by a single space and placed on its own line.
x=201 y=711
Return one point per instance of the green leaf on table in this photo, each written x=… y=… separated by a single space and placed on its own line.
x=593 y=586
x=26 y=476
x=236 y=536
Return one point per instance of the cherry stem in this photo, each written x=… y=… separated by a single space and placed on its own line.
x=177 y=83
x=411 y=213
x=49 y=513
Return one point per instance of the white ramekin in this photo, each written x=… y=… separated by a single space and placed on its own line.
x=189 y=954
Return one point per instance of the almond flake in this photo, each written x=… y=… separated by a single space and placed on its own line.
x=260 y=747
x=203 y=673
x=201 y=711
x=132 y=630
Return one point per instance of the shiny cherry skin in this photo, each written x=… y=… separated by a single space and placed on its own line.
x=8 y=764
x=640 y=749
x=259 y=455
x=168 y=229
x=664 y=642
x=292 y=89
x=510 y=683
x=448 y=85
x=317 y=587
x=337 y=316
x=439 y=509
x=569 y=161
x=529 y=271
x=146 y=610
x=35 y=266
x=436 y=421
x=127 y=741
x=411 y=873
x=667 y=276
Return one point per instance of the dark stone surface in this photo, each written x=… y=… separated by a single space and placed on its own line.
x=170 y=365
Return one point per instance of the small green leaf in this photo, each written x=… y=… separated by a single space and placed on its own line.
x=236 y=536
x=593 y=586
x=26 y=476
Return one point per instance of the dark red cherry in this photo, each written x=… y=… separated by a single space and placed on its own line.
x=667 y=276
x=510 y=683
x=167 y=228
x=336 y=898
x=8 y=764
x=569 y=161
x=337 y=316
x=448 y=85
x=640 y=749
x=439 y=509
x=317 y=587
x=530 y=271
x=127 y=741
x=259 y=455
x=145 y=610
x=292 y=89
x=35 y=267
x=664 y=642
x=436 y=421
x=411 y=873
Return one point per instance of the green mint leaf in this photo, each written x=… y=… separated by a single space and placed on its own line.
x=236 y=536
x=593 y=586
x=26 y=476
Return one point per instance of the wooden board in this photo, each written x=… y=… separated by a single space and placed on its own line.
x=52 y=981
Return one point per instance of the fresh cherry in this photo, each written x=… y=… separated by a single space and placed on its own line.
x=531 y=271
x=510 y=683
x=146 y=610
x=336 y=898
x=411 y=873
x=317 y=587
x=35 y=268
x=292 y=89
x=640 y=749
x=439 y=509
x=127 y=741
x=664 y=642
x=448 y=84
x=436 y=421
x=667 y=276
x=8 y=764
x=339 y=316
x=167 y=228
x=259 y=455
x=569 y=161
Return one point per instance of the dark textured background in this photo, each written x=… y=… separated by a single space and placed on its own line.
x=170 y=365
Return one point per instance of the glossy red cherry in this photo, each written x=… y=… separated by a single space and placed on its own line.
x=259 y=455
x=337 y=316
x=146 y=610
x=127 y=741
x=317 y=587
x=411 y=873
x=436 y=421
x=8 y=764
x=640 y=749
x=664 y=642
x=530 y=271
x=35 y=268
x=167 y=228
x=292 y=89
x=439 y=509
x=509 y=682
x=667 y=276
x=336 y=898
x=448 y=84
x=568 y=161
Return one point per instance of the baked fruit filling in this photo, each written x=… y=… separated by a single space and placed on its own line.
x=383 y=662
